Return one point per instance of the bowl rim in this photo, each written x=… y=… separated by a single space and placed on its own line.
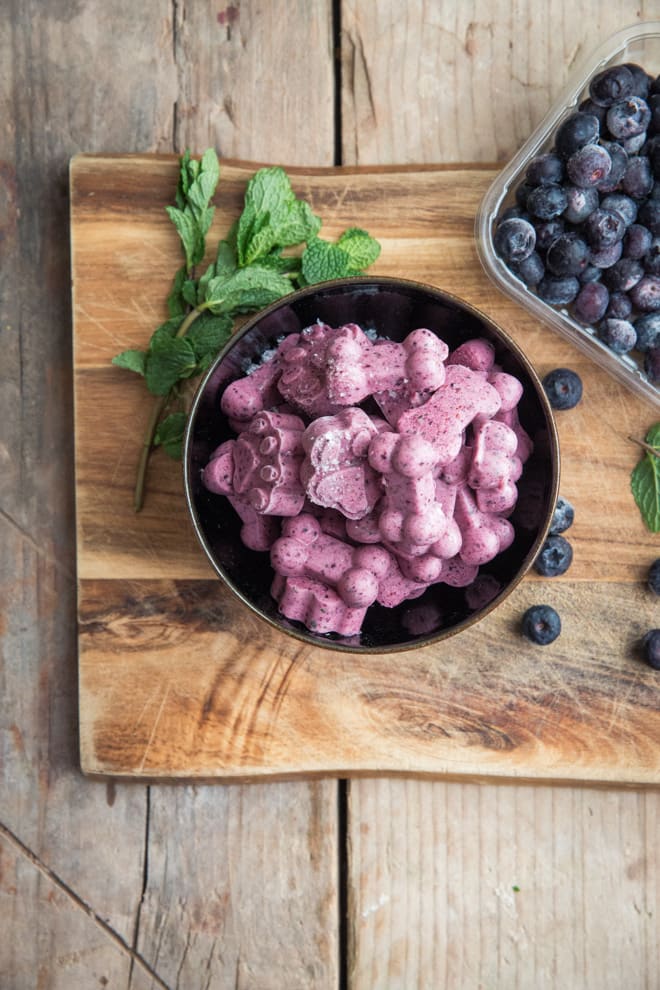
x=386 y=281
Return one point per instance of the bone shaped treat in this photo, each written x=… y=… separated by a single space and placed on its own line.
x=484 y=534
x=247 y=396
x=316 y=605
x=495 y=466
x=267 y=457
x=477 y=354
x=335 y=471
x=442 y=420
x=258 y=532
x=303 y=381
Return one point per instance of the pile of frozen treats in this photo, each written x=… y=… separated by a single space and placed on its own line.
x=371 y=469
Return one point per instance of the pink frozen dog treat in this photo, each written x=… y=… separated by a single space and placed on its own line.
x=357 y=369
x=484 y=534
x=395 y=587
x=495 y=466
x=458 y=574
x=335 y=471
x=258 y=532
x=303 y=381
x=257 y=390
x=304 y=550
x=525 y=444
x=477 y=354
x=316 y=605
x=450 y=410
x=267 y=457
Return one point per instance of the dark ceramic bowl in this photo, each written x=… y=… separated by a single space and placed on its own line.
x=391 y=307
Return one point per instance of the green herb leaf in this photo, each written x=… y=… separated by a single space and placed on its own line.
x=245 y=290
x=272 y=217
x=208 y=334
x=167 y=363
x=189 y=291
x=361 y=248
x=131 y=360
x=176 y=304
x=322 y=260
x=170 y=434
x=165 y=331
x=189 y=234
x=645 y=481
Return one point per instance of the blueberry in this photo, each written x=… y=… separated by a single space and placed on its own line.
x=651 y=260
x=531 y=269
x=622 y=204
x=514 y=239
x=648 y=331
x=654 y=105
x=567 y=255
x=603 y=228
x=623 y=275
x=649 y=215
x=629 y=117
x=590 y=274
x=547 y=202
x=638 y=178
x=633 y=145
x=545 y=169
x=513 y=213
x=522 y=192
x=563 y=388
x=651 y=647
x=580 y=203
x=555 y=557
x=607 y=256
x=558 y=290
x=619 y=335
x=619 y=159
x=654 y=577
x=546 y=231
x=563 y=517
x=591 y=302
x=637 y=241
x=620 y=306
x=610 y=85
x=652 y=365
x=576 y=131
x=588 y=166
x=652 y=152
x=588 y=106
x=541 y=624
x=646 y=294
x=641 y=79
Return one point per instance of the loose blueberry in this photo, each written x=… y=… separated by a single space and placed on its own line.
x=638 y=178
x=619 y=335
x=652 y=365
x=621 y=204
x=629 y=117
x=603 y=228
x=545 y=169
x=620 y=306
x=531 y=269
x=558 y=290
x=563 y=517
x=591 y=302
x=615 y=83
x=651 y=647
x=579 y=203
x=654 y=577
x=541 y=624
x=637 y=241
x=514 y=239
x=623 y=275
x=589 y=166
x=567 y=255
x=547 y=202
x=646 y=294
x=576 y=131
x=647 y=328
x=563 y=388
x=555 y=557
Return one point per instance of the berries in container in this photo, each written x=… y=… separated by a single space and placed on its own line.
x=570 y=229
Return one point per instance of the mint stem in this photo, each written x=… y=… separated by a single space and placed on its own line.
x=646 y=446
x=156 y=412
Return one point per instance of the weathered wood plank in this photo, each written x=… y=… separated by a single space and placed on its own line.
x=462 y=886
x=460 y=82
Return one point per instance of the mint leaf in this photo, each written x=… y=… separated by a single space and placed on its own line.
x=131 y=360
x=189 y=234
x=170 y=434
x=165 y=331
x=208 y=334
x=272 y=216
x=176 y=304
x=246 y=289
x=167 y=362
x=322 y=260
x=645 y=481
x=184 y=180
x=361 y=248
x=189 y=291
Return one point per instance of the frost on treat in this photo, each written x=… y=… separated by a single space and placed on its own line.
x=357 y=509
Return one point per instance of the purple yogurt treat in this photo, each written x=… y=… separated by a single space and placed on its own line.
x=247 y=396
x=258 y=532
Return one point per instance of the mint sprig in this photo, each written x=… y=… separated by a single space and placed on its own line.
x=645 y=479
x=250 y=270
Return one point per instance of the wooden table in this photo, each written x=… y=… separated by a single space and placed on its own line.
x=388 y=882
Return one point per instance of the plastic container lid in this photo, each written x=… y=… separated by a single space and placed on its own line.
x=639 y=43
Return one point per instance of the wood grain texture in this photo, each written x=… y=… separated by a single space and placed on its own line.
x=462 y=886
x=281 y=708
x=461 y=82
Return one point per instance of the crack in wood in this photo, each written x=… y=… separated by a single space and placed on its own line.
x=63 y=887
x=145 y=879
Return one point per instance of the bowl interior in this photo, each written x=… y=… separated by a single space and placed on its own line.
x=392 y=308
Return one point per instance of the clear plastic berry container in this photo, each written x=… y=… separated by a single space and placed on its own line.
x=640 y=44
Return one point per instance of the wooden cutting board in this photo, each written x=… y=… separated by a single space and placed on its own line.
x=179 y=680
